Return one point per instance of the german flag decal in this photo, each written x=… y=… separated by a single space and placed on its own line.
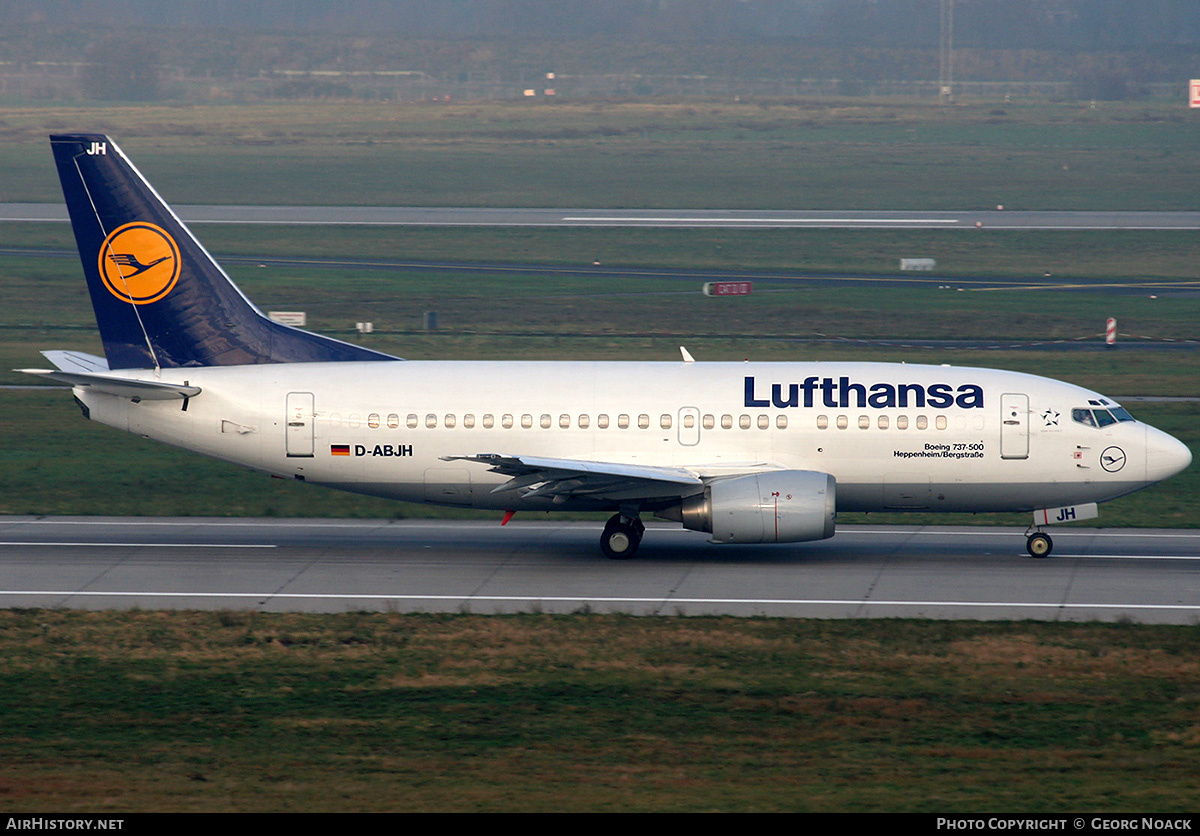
x=339 y=449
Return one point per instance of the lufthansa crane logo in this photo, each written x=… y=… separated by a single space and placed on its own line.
x=139 y=263
x=1112 y=459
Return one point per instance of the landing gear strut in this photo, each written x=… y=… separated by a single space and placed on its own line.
x=622 y=536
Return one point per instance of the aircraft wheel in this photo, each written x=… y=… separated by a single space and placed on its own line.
x=621 y=538
x=1039 y=545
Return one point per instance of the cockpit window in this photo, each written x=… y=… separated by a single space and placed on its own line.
x=1083 y=416
x=1100 y=417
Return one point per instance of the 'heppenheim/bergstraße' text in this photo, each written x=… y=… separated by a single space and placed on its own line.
x=1078 y=823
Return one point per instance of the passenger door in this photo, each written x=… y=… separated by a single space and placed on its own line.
x=1014 y=426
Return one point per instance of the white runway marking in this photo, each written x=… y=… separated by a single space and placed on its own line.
x=584 y=599
x=141 y=545
x=1057 y=556
x=634 y=219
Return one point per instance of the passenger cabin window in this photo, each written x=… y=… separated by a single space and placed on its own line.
x=643 y=422
x=506 y=421
x=602 y=421
x=822 y=422
x=431 y=421
x=393 y=421
x=727 y=422
x=564 y=421
x=526 y=421
x=545 y=421
x=468 y=421
x=584 y=421
x=708 y=421
x=450 y=422
x=411 y=421
x=623 y=421
x=781 y=422
x=902 y=422
x=664 y=421
x=489 y=421
x=744 y=422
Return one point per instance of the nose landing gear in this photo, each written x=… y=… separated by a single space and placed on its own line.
x=1039 y=544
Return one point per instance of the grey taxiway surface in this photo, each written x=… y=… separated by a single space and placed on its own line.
x=681 y=218
x=1147 y=576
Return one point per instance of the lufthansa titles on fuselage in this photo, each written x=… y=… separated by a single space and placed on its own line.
x=844 y=393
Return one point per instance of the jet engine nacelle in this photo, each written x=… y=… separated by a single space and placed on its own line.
x=783 y=506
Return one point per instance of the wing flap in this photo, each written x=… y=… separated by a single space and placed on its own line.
x=539 y=476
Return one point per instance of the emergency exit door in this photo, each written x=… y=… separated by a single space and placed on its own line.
x=689 y=426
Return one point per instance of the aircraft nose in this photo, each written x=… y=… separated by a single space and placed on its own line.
x=1165 y=455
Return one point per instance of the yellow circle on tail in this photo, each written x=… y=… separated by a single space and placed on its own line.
x=139 y=263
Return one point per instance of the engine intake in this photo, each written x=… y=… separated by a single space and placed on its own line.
x=783 y=506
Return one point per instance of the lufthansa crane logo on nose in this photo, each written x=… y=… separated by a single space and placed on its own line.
x=1112 y=459
x=139 y=263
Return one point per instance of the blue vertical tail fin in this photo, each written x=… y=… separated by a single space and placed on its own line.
x=161 y=300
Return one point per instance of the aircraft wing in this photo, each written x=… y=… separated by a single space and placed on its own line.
x=538 y=476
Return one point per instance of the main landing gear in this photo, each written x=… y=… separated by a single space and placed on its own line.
x=622 y=536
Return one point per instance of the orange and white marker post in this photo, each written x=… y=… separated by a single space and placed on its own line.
x=1110 y=332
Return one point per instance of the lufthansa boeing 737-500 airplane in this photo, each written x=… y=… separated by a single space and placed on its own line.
x=749 y=452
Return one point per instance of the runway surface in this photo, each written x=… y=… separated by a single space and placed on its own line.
x=680 y=218
x=1145 y=576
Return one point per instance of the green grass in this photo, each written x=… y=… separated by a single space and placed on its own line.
x=384 y=712
x=821 y=154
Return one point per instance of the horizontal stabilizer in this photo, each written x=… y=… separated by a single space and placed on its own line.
x=76 y=361
x=146 y=390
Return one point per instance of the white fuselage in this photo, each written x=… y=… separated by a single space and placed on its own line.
x=895 y=437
